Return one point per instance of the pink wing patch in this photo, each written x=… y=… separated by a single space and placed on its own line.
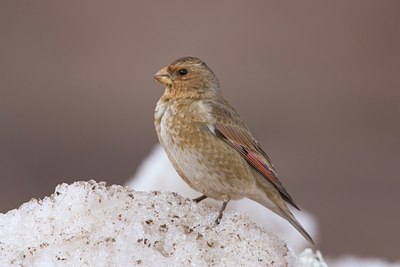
x=254 y=155
x=255 y=160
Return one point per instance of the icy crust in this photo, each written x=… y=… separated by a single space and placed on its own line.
x=89 y=223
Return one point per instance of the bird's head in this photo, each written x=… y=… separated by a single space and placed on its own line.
x=188 y=77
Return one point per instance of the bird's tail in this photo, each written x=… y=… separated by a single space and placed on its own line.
x=288 y=215
x=275 y=203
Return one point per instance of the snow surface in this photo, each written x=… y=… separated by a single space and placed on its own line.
x=90 y=224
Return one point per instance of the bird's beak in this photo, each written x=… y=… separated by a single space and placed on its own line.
x=163 y=76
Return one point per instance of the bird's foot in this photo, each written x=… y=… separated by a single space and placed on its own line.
x=218 y=220
x=221 y=211
x=200 y=198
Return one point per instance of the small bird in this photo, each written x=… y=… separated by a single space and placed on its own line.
x=209 y=145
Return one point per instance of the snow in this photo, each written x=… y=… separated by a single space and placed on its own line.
x=89 y=223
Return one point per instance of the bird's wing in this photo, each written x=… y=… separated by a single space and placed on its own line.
x=238 y=137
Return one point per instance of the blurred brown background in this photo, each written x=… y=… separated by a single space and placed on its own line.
x=317 y=82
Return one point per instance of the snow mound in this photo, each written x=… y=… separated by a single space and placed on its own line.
x=89 y=223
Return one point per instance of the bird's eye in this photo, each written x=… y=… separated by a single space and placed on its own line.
x=182 y=72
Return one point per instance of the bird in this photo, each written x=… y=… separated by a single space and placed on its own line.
x=210 y=146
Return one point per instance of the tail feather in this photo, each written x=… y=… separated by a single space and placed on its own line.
x=271 y=199
x=286 y=214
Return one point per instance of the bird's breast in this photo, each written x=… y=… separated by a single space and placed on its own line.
x=180 y=124
x=206 y=163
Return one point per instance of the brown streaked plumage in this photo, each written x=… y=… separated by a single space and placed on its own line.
x=210 y=146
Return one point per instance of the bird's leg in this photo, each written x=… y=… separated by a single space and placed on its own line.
x=224 y=204
x=200 y=198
